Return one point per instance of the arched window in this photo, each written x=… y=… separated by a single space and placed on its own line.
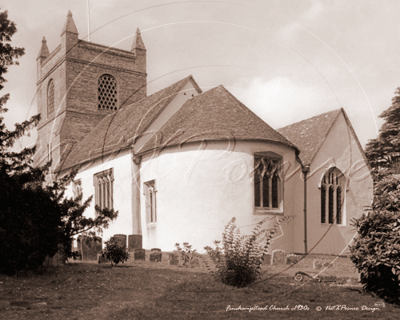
x=332 y=201
x=103 y=183
x=50 y=97
x=151 y=207
x=107 y=93
x=323 y=204
x=267 y=183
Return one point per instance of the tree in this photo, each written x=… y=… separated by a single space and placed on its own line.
x=383 y=153
x=34 y=217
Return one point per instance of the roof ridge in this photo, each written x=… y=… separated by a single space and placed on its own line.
x=243 y=106
x=175 y=88
x=308 y=119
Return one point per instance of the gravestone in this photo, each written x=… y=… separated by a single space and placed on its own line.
x=101 y=258
x=173 y=259
x=267 y=259
x=155 y=256
x=58 y=259
x=278 y=257
x=155 y=250
x=140 y=254
x=135 y=242
x=121 y=239
x=89 y=247
x=292 y=259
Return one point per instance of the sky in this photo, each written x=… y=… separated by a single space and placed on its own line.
x=286 y=60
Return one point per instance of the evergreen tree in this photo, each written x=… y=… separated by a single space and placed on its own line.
x=383 y=153
x=34 y=217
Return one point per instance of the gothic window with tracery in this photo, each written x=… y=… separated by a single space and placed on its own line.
x=103 y=184
x=267 y=182
x=150 y=194
x=332 y=196
x=107 y=93
x=50 y=97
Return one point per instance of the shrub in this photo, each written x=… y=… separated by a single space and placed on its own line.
x=375 y=252
x=115 y=251
x=187 y=253
x=239 y=259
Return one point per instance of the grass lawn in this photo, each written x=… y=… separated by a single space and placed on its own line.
x=145 y=290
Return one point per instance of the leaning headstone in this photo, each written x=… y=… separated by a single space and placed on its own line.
x=155 y=256
x=140 y=254
x=267 y=259
x=278 y=257
x=135 y=242
x=173 y=259
x=89 y=247
x=121 y=239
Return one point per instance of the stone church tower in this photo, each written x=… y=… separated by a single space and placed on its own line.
x=78 y=84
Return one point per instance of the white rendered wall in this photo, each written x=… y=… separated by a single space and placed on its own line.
x=122 y=190
x=200 y=188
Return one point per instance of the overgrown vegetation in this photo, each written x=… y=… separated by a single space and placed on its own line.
x=238 y=261
x=187 y=253
x=376 y=253
x=375 y=250
x=383 y=153
x=35 y=217
x=115 y=251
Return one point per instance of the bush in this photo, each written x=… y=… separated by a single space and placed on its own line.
x=115 y=251
x=239 y=259
x=375 y=252
x=187 y=253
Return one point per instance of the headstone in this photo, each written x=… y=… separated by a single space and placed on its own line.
x=278 y=257
x=155 y=256
x=292 y=259
x=140 y=254
x=58 y=259
x=155 y=250
x=121 y=239
x=173 y=259
x=101 y=258
x=89 y=247
x=267 y=259
x=135 y=242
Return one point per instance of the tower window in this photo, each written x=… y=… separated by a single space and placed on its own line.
x=50 y=97
x=107 y=93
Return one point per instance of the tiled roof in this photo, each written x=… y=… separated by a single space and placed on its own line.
x=119 y=129
x=309 y=135
x=213 y=115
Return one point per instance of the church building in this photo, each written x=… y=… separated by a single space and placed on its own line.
x=180 y=163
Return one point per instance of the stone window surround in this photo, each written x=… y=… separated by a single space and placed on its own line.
x=103 y=184
x=278 y=159
x=332 y=197
x=150 y=193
